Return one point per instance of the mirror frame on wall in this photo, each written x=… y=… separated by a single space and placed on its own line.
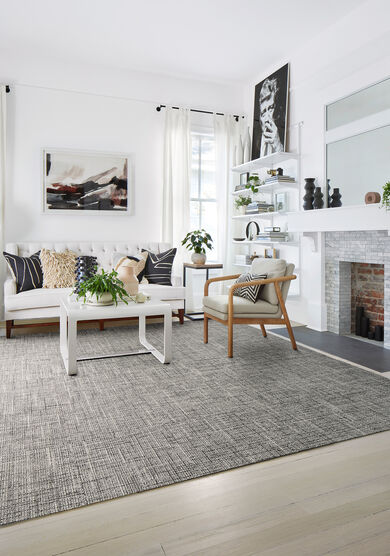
x=353 y=128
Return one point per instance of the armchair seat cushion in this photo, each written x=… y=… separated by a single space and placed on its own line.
x=243 y=308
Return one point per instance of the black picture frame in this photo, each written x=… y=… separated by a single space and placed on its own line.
x=270 y=114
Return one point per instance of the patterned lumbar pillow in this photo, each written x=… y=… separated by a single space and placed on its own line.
x=58 y=268
x=138 y=264
x=158 y=268
x=27 y=271
x=252 y=293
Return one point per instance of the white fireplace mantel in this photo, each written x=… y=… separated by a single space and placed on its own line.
x=361 y=217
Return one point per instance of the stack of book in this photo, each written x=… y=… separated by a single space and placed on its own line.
x=243 y=259
x=256 y=208
x=272 y=233
x=280 y=179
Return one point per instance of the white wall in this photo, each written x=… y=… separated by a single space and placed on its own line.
x=348 y=56
x=53 y=104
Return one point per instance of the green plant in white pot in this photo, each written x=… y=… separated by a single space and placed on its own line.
x=386 y=196
x=241 y=203
x=103 y=288
x=197 y=241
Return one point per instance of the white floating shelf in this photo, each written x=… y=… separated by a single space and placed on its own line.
x=256 y=242
x=258 y=215
x=265 y=162
x=270 y=187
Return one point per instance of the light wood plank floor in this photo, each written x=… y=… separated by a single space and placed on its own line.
x=332 y=500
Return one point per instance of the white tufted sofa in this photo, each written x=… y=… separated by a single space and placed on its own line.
x=44 y=302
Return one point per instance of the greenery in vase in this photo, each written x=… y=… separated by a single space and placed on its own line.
x=242 y=201
x=254 y=182
x=100 y=283
x=197 y=241
x=386 y=195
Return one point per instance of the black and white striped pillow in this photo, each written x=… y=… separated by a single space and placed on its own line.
x=27 y=271
x=252 y=293
x=158 y=267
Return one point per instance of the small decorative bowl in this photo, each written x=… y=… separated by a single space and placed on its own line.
x=239 y=238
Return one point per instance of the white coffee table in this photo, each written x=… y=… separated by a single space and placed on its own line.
x=72 y=311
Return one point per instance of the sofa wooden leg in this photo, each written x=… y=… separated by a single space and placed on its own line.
x=206 y=330
x=230 y=339
x=101 y=324
x=263 y=330
x=181 y=315
x=8 y=327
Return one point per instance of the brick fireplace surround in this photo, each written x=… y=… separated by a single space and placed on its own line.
x=342 y=249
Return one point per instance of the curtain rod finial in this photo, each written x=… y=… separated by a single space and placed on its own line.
x=7 y=89
x=158 y=108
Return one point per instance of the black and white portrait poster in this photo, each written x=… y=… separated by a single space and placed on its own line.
x=270 y=114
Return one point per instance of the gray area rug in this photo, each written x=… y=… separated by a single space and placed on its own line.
x=130 y=424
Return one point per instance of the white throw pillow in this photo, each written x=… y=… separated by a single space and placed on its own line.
x=274 y=268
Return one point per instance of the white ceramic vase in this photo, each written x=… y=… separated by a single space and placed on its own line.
x=240 y=152
x=198 y=258
x=104 y=299
x=247 y=146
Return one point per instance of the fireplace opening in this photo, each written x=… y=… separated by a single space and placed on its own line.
x=367 y=300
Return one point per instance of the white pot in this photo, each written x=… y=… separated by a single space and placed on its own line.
x=241 y=210
x=198 y=258
x=104 y=299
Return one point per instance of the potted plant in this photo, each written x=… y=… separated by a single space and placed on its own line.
x=197 y=241
x=241 y=203
x=386 y=196
x=254 y=182
x=103 y=288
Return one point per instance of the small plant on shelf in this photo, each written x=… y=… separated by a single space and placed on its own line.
x=197 y=241
x=103 y=288
x=241 y=202
x=254 y=182
x=386 y=196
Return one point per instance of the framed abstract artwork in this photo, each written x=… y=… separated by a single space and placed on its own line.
x=270 y=114
x=85 y=181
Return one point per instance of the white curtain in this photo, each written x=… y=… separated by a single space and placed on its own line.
x=227 y=137
x=177 y=181
x=2 y=190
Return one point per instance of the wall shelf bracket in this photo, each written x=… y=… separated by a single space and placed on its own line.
x=314 y=240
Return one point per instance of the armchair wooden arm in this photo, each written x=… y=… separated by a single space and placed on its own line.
x=218 y=279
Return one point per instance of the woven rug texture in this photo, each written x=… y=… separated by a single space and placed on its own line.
x=129 y=424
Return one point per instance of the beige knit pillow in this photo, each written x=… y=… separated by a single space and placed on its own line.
x=58 y=268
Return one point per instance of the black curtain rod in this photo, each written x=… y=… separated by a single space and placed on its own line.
x=158 y=108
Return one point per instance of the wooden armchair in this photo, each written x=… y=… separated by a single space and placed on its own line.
x=230 y=309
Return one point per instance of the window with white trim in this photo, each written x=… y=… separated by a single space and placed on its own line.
x=203 y=203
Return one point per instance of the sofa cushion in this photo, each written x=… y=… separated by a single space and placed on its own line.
x=42 y=297
x=158 y=267
x=274 y=268
x=50 y=297
x=252 y=293
x=59 y=269
x=240 y=305
x=27 y=271
x=137 y=262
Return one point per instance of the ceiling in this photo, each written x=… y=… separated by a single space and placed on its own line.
x=218 y=40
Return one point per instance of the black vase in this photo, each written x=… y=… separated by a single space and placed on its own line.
x=309 y=195
x=85 y=268
x=328 y=192
x=318 y=202
x=336 y=198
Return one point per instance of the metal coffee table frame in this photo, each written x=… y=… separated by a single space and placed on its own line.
x=71 y=312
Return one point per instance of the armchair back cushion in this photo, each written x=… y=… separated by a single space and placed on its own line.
x=274 y=268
